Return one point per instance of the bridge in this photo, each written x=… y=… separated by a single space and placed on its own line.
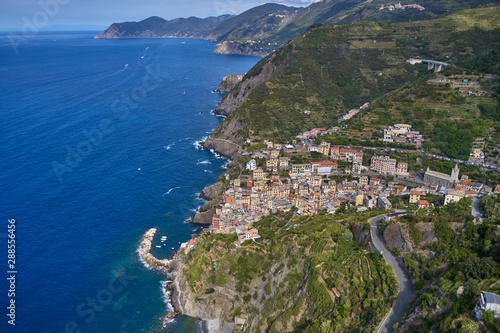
x=438 y=66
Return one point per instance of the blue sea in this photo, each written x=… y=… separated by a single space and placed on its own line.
x=98 y=144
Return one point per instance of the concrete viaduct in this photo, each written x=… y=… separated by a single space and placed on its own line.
x=438 y=66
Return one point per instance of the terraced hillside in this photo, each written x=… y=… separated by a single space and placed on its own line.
x=331 y=69
x=307 y=274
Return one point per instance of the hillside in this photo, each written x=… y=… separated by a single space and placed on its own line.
x=331 y=69
x=451 y=260
x=307 y=274
x=156 y=27
x=263 y=29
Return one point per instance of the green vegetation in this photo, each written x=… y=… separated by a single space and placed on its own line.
x=256 y=146
x=306 y=274
x=331 y=69
x=490 y=206
x=465 y=255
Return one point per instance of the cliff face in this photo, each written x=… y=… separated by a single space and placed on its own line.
x=229 y=83
x=240 y=93
x=222 y=147
x=396 y=237
x=237 y=48
x=211 y=192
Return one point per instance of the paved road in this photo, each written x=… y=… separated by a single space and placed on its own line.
x=475 y=210
x=406 y=288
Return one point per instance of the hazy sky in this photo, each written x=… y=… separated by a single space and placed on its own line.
x=16 y=13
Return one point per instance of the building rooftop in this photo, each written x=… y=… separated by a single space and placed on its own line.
x=491 y=298
x=437 y=174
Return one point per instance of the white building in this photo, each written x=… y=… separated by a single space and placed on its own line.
x=488 y=301
x=251 y=165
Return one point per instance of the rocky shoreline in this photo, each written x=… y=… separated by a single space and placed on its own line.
x=144 y=251
x=176 y=287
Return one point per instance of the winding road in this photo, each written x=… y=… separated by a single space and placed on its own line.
x=406 y=288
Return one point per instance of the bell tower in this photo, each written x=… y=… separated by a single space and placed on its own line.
x=454 y=174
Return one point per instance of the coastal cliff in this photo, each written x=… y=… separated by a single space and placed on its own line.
x=238 y=48
x=229 y=83
x=221 y=146
x=211 y=192
x=239 y=94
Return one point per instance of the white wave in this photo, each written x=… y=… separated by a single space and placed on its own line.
x=169 y=146
x=144 y=261
x=167 y=301
x=198 y=143
x=204 y=162
x=208 y=171
x=217 y=155
x=173 y=188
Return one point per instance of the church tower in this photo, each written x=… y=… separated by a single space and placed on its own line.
x=454 y=174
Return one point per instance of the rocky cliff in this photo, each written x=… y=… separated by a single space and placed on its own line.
x=240 y=93
x=229 y=83
x=221 y=146
x=211 y=192
x=396 y=237
x=238 y=48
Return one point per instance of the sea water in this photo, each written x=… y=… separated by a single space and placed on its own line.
x=98 y=144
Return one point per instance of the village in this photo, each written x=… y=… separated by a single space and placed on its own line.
x=272 y=182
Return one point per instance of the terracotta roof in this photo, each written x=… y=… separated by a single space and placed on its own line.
x=423 y=202
x=415 y=192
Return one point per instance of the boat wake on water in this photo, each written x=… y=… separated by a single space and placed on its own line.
x=173 y=188
x=169 y=146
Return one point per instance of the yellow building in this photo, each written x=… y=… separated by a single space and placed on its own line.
x=272 y=164
x=414 y=196
x=332 y=185
x=325 y=148
x=258 y=174
x=453 y=196
x=359 y=198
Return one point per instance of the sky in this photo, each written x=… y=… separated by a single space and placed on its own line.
x=46 y=13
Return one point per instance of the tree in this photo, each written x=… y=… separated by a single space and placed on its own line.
x=469 y=326
x=348 y=234
x=472 y=289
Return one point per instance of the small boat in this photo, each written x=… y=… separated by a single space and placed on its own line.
x=172 y=248
x=184 y=92
x=201 y=112
x=158 y=246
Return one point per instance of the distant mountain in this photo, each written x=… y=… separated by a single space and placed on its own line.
x=156 y=27
x=263 y=29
